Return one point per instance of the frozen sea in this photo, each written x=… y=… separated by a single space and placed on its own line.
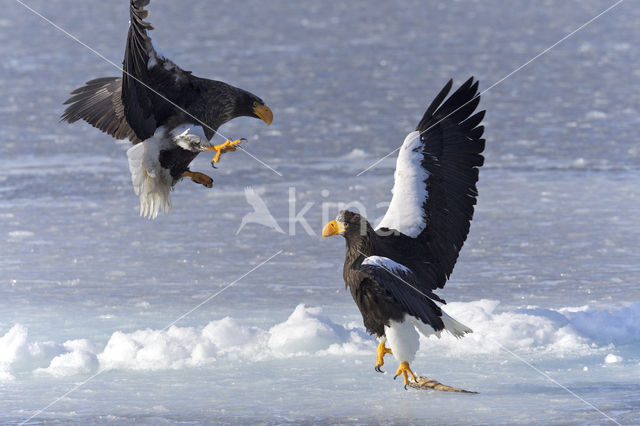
x=549 y=278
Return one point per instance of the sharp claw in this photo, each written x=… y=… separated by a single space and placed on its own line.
x=405 y=387
x=379 y=370
x=243 y=139
x=395 y=377
x=213 y=164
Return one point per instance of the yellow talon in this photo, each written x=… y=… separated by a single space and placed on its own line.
x=403 y=369
x=200 y=178
x=227 y=146
x=381 y=352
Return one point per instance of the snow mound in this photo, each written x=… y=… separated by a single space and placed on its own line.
x=79 y=358
x=530 y=328
x=180 y=347
x=619 y=327
x=17 y=355
x=308 y=331
x=558 y=332
x=305 y=332
x=550 y=333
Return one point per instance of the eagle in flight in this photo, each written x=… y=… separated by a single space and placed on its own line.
x=169 y=114
x=392 y=271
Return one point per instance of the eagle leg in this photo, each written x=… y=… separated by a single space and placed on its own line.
x=200 y=178
x=403 y=369
x=380 y=353
x=227 y=146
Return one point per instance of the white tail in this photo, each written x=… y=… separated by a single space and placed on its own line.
x=151 y=182
x=454 y=327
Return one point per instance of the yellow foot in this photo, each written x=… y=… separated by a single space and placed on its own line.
x=200 y=178
x=227 y=146
x=382 y=351
x=403 y=369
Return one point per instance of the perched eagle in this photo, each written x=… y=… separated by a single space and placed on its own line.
x=393 y=270
x=171 y=112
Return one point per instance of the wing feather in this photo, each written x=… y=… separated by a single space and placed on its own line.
x=99 y=104
x=450 y=146
x=152 y=85
x=401 y=284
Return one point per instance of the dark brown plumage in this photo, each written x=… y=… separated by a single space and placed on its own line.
x=154 y=93
x=393 y=270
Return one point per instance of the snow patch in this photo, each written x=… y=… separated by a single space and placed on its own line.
x=307 y=331
x=17 y=355
x=612 y=359
x=550 y=333
x=621 y=326
x=596 y=115
x=19 y=235
x=577 y=331
x=355 y=154
x=80 y=358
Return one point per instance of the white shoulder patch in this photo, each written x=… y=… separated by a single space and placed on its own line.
x=190 y=137
x=151 y=182
x=406 y=211
x=386 y=263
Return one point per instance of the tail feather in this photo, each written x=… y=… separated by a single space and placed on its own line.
x=151 y=183
x=457 y=329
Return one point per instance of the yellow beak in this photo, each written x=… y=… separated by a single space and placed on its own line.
x=264 y=112
x=333 y=228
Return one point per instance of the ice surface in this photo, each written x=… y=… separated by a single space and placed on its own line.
x=550 y=270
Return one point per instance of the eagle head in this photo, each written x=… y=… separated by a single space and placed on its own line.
x=249 y=105
x=347 y=224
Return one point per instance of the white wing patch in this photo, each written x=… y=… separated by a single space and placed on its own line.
x=155 y=54
x=406 y=211
x=151 y=182
x=386 y=263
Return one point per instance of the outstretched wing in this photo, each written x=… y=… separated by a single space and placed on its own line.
x=99 y=104
x=434 y=190
x=401 y=284
x=152 y=85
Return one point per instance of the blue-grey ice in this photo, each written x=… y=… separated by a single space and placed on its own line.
x=550 y=272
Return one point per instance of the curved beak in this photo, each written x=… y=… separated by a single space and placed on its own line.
x=333 y=228
x=264 y=112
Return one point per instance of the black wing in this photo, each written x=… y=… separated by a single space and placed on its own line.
x=99 y=104
x=153 y=87
x=452 y=139
x=451 y=143
x=402 y=285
